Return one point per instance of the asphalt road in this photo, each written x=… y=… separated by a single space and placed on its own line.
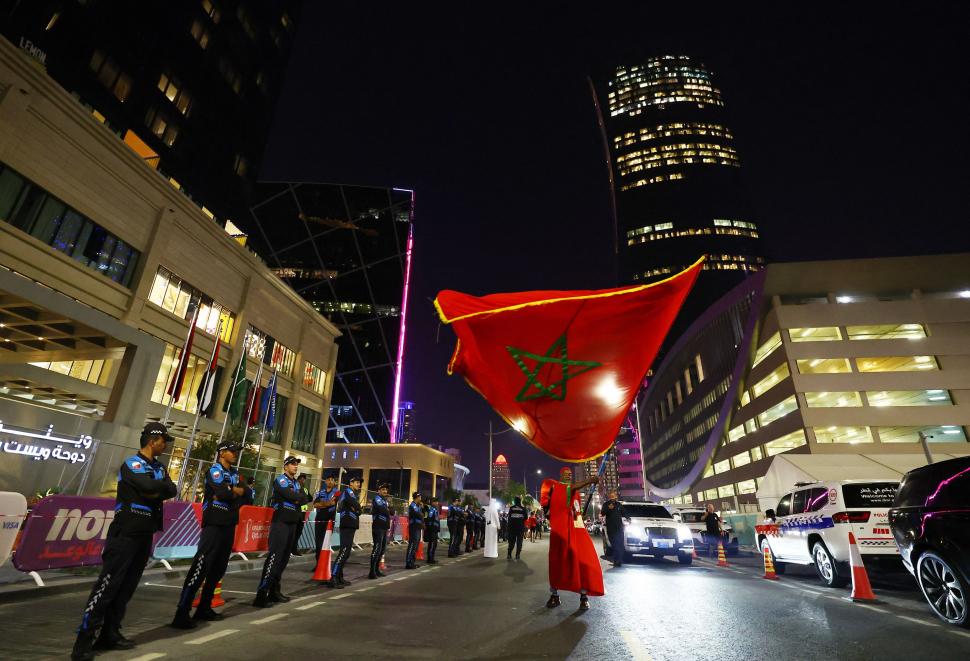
x=475 y=608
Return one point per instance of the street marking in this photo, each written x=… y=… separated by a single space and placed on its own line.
x=340 y=596
x=179 y=587
x=309 y=606
x=872 y=608
x=149 y=656
x=913 y=619
x=637 y=650
x=364 y=589
x=959 y=633
x=271 y=618
x=212 y=636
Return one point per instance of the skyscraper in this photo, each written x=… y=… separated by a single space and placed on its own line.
x=500 y=473
x=676 y=178
x=406 y=429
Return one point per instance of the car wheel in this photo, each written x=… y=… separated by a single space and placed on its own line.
x=944 y=588
x=685 y=559
x=827 y=568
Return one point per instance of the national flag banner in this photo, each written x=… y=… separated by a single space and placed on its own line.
x=255 y=396
x=235 y=398
x=267 y=407
x=210 y=378
x=182 y=366
x=563 y=367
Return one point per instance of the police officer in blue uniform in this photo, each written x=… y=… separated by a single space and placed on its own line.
x=456 y=526
x=287 y=501
x=432 y=528
x=480 y=528
x=381 y=514
x=224 y=495
x=415 y=526
x=349 y=507
x=325 y=503
x=471 y=526
x=517 y=517
x=143 y=484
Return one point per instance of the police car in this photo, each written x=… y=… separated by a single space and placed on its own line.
x=814 y=520
x=651 y=530
x=692 y=517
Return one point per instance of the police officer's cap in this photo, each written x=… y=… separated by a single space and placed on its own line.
x=415 y=494
x=231 y=446
x=383 y=485
x=291 y=460
x=156 y=429
x=355 y=478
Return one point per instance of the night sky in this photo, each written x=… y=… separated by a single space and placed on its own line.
x=851 y=122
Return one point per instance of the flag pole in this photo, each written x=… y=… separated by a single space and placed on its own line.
x=249 y=410
x=235 y=382
x=209 y=379
x=262 y=433
x=171 y=398
x=599 y=473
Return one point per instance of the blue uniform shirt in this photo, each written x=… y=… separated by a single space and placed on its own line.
x=325 y=494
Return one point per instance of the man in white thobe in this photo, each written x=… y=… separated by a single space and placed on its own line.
x=491 y=531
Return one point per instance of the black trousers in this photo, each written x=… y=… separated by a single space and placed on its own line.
x=343 y=554
x=616 y=545
x=122 y=563
x=319 y=532
x=480 y=537
x=432 y=545
x=414 y=538
x=280 y=543
x=469 y=537
x=379 y=538
x=515 y=542
x=296 y=537
x=455 y=541
x=208 y=565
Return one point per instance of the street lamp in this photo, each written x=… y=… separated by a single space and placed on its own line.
x=400 y=479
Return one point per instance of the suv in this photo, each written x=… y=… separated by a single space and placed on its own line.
x=651 y=530
x=930 y=521
x=815 y=519
x=691 y=517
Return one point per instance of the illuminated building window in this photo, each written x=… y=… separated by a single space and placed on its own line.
x=909 y=398
x=171 y=293
x=763 y=386
x=664 y=80
x=652 y=180
x=725 y=491
x=161 y=126
x=195 y=371
x=306 y=431
x=174 y=92
x=736 y=434
x=897 y=364
x=823 y=366
x=886 y=332
x=90 y=371
x=241 y=166
x=779 y=410
x=722 y=467
x=787 y=442
x=314 y=379
x=832 y=399
x=110 y=75
x=200 y=33
x=835 y=434
x=767 y=347
x=742 y=459
x=933 y=434
x=748 y=486
x=757 y=455
x=824 y=334
x=209 y=7
x=681 y=153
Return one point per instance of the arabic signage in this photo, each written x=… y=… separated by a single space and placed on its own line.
x=252 y=533
x=45 y=445
x=13 y=507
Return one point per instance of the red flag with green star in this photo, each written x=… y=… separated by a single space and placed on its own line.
x=563 y=367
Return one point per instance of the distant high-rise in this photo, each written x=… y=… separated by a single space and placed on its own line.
x=406 y=430
x=676 y=178
x=500 y=473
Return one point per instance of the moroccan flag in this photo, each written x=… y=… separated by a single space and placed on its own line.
x=563 y=367
x=182 y=366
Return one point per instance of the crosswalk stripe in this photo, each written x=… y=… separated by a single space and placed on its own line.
x=271 y=618
x=212 y=636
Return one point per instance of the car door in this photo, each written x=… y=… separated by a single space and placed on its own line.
x=779 y=544
x=796 y=546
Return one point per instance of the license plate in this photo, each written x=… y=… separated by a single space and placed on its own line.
x=663 y=543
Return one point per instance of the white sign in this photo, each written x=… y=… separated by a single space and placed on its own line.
x=37 y=445
x=13 y=507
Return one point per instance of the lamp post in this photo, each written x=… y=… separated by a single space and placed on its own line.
x=400 y=479
x=490 y=434
x=538 y=482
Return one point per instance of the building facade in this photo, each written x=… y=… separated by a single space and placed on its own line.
x=406 y=468
x=839 y=357
x=500 y=473
x=105 y=264
x=406 y=423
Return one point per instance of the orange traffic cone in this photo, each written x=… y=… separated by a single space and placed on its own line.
x=861 y=590
x=217 y=599
x=383 y=566
x=769 y=566
x=721 y=558
x=322 y=572
x=420 y=554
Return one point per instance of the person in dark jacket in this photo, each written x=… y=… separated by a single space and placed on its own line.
x=455 y=527
x=325 y=503
x=224 y=494
x=249 y=497
x=348 y=506
x=415 y=527
x=517 y=517
x=381 y=514
x=613 y=513
x=305 y=509
x=471 y=525
x=432 y=528
x=143 y=484
x=287 y=502
x=480 y=528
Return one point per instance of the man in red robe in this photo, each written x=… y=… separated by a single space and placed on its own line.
x=573 y=563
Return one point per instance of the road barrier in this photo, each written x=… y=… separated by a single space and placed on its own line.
x=13 y=508
x=861 y=589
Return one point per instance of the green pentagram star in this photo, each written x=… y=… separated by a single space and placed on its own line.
x=555 y=355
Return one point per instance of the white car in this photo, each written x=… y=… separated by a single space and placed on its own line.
x=651 y=530
x=814 y=521
x=691 y=517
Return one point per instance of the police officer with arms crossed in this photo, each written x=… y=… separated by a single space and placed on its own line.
x=143 y=483
x=349 y=508
x=224 y=495
x=381 y=522
x=455 y=526
x=432 y=527
x=325 y=502
x=517 y=517
x=415 y=526
x=305 y=508
x=286 y=501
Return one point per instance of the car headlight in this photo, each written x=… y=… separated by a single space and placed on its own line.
x=684 y=534
x=633 y=532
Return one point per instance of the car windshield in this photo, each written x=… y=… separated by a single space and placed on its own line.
x=870 y=494
x=691 y=517
x=646 y=511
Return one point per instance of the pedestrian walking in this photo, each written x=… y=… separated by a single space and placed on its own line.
x=143 y=484
x=349 y=508
x=304 y=510
x=540 y=524
x=432 y=528
x=224 y=495
x=325 y=504
x=517 y=516
x=530 y=524
x=381 y=513
x=286 y=502
x=714 y=531
x=613 y=513
x=455 y=527
x=415 y=528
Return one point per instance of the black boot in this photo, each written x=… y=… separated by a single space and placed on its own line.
x=83 y=647
x=182 y=620
x=379 y=572
x=113 y=640
x=207 y=614
x=343 y=581
x=553 y=601
x=583 y=602
x=262 y=599
x=277 y=596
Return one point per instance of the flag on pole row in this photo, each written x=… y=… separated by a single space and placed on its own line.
x=236 y=397
x=209 y=382
x=563 y=367
x=175 y=386
x=267 y=405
